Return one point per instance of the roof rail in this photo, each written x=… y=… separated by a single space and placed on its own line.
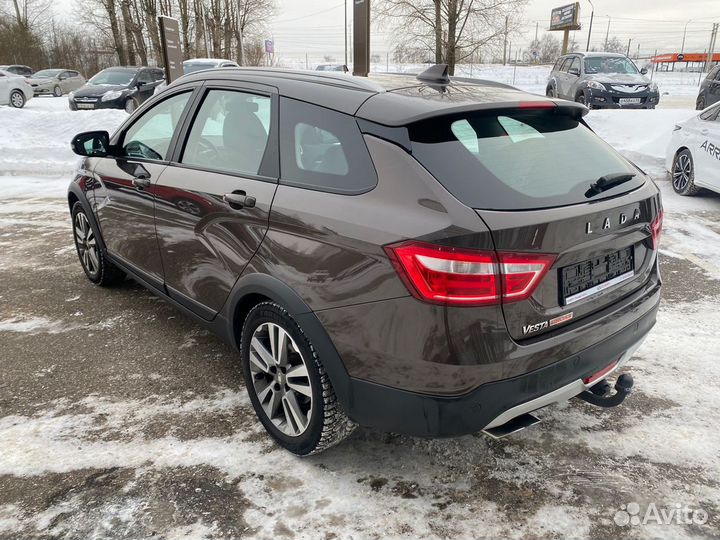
x=437 y=74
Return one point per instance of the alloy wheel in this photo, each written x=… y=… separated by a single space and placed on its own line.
x=280 y=379
x=57 y=92
x=17 y=100
x=682 y=172
x=130 y=106
x=86 y=244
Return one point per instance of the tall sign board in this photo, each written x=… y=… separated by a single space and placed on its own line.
x=361 y=37
x=565 y=18
x=171 y=51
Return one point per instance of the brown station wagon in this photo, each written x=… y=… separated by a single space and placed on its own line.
x=429 y=256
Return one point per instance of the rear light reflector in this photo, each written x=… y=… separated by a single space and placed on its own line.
x=445 y=275
x=656 y=229
x=536 y=105
x=600 y=374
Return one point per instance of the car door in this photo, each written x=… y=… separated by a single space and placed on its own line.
x=213 y=201
x=713 y=91
x=124 y=199
x=145 y=85
x=4 y=89
x=65 y=81
x=572 y=79
x=562 y=78
x=706 y=151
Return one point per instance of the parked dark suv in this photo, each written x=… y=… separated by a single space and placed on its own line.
x=117 y=88
x=602 y=81
x=430 y=257
x=709 y=89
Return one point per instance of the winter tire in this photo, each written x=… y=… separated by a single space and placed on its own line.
x=287 y=383
x=683 y=173
x=94 y=262
x=57 y=91
x=17 y=99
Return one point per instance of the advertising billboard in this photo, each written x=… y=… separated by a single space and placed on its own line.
x=565 y=17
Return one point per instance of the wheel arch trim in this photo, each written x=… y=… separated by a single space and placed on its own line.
x=275 y=290
x=76 y=191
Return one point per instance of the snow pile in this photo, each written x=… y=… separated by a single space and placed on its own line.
x=35 y=141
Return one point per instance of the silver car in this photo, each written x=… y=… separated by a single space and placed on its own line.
x=14 y=91
x=55 y=82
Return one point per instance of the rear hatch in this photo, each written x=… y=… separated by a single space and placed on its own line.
x=533 y=175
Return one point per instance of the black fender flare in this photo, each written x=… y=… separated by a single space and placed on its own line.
x=79 y=194
x=284 y=295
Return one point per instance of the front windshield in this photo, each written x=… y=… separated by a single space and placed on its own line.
x=47 y=73
x=609 y=64
x=113 y=77
x=197 y=66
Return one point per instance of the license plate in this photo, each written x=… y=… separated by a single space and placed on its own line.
x=630 y=101
x=579 y=281
x=85 y=105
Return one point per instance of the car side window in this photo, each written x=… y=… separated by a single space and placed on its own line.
x=145 y=77
x=323 y=149
x=558 y=63
x=230 y=132
x=566 y=64
x=149 y=137
x=575 y=63
x=710 y=114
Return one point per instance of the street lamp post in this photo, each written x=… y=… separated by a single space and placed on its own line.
x=682 y=49
x=346 y=37
x=607 y=34
x=592 y=14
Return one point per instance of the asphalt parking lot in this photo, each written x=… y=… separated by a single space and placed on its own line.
x=120 y=418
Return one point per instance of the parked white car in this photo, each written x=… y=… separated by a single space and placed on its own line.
x=693 y=155
x=14 y=91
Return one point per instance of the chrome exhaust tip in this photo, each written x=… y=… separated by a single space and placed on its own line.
x=512 y=426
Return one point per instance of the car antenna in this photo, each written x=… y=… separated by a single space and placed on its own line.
x=437 y=74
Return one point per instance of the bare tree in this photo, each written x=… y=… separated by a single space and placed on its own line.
x=614 y=45
x=452 y=30
x=548 y=48
x=251 y=17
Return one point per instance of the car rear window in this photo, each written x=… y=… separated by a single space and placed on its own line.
x=517 y=159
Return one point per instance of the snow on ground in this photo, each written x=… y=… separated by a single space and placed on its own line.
x=119 y=418
x=35 y=143
x=640 y=135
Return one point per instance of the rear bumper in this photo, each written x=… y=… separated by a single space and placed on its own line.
x=494 y=403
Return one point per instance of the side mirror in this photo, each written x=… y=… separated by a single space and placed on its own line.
x=91 y=144
x=141 y=83
x=643 y=71
x=574 y=71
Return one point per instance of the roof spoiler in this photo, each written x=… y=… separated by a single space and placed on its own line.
x=437 y=74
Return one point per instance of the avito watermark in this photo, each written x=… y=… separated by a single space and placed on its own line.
x=631 y=514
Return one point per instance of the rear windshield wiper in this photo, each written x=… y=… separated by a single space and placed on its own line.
x=607 y=182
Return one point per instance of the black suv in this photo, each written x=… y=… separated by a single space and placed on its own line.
x=709 y=89
x=602 y=81
x=117 y=88
x=432 y=256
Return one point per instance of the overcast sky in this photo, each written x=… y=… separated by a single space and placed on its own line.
x=316 y=26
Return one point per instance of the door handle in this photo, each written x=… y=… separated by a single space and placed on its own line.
x=238 y=199
x=141 y=181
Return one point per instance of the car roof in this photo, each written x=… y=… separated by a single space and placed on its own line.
x=595 y=53
x=125 y=68
x=213 y=60
x=387 y=99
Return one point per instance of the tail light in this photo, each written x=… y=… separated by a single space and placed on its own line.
x=656 y=229
x=445 y=275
